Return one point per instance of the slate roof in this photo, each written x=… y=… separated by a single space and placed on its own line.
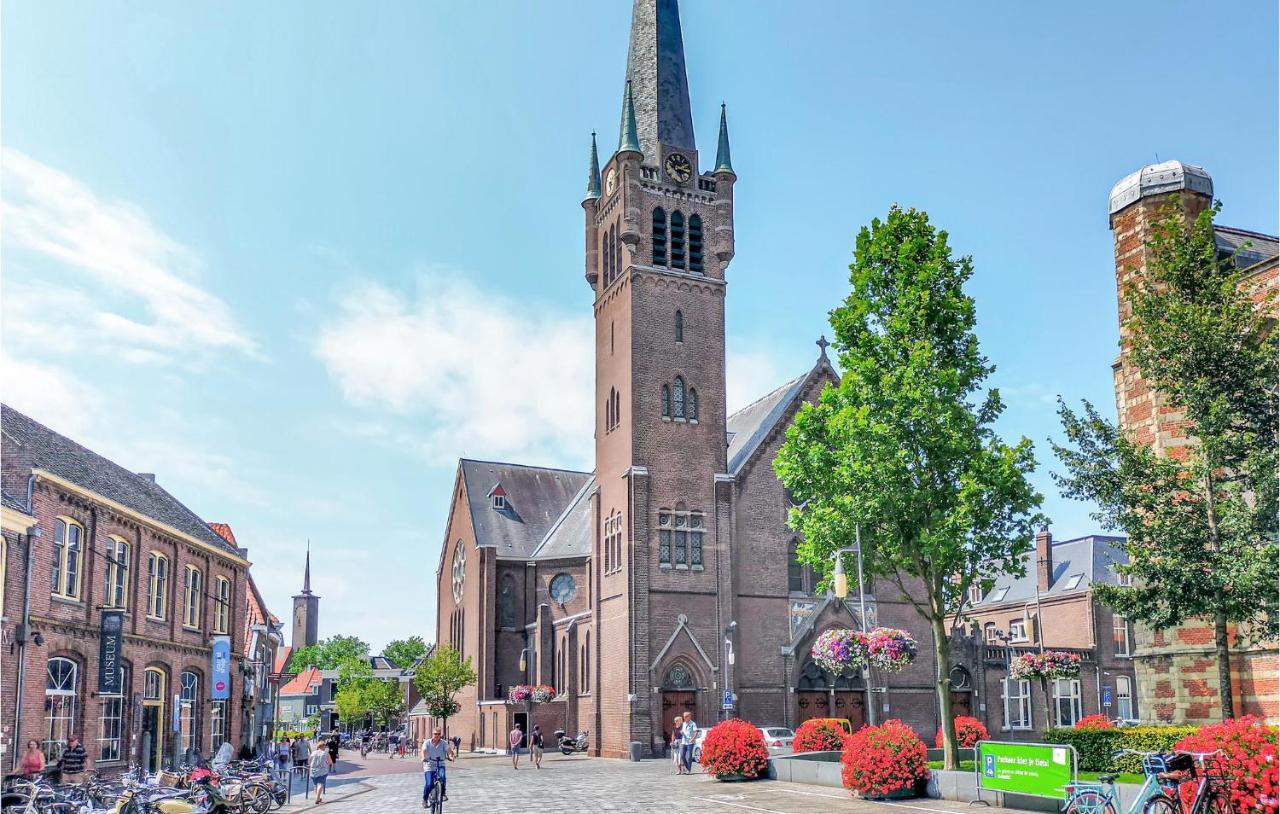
x=657 y=77
x=536 y=497
x=10 y=502
x=570 y=535
x=1260 y=247
x=39 y=447
x=1090 y=558
x=748 y=427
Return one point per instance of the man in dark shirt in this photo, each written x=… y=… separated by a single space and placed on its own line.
x=333 y=745
x=72 y=763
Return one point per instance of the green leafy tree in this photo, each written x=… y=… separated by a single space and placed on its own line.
x=352 y=698
x=904 y=446
x=328 y=653
x=1200 y=520
x=404 y=652
x=439 y=679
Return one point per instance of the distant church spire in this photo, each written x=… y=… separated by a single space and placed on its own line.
x=306 y=573
x=593 y=173
x=656 y=74
x=723 y=163
x=628 y=141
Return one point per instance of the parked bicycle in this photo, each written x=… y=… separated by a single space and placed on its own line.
x=1163 y=773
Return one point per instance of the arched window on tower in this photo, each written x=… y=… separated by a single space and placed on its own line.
x=617 y=409
x=677 y=240
x=659 y=236
x=666 y=401
x=795 y=570
x=693 y=404
x=695 y=244
x=677 y=399
x=604 y=258
x=679 y=326
x=617 y=252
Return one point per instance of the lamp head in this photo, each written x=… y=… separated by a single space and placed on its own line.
x=841 y=580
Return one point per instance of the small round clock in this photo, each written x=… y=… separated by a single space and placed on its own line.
x=678 y=167
x=563 y=588
x=610 y=181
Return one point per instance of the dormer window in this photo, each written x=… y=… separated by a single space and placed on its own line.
x=498 y=498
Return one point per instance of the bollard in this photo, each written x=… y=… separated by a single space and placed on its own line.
x=634 y=750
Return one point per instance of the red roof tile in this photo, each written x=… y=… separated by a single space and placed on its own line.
x=301 y=683
x=224 y=531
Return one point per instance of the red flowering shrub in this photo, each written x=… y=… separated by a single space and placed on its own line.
x=1095 y=721
x=968 y=732
x=818 y=735
x=1248 y=761
x=734 y=747
x=879 y=760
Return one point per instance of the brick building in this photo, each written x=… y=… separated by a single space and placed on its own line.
x=666 y=577
x=1176 y=670
x=1052 y=607
x=83 y=535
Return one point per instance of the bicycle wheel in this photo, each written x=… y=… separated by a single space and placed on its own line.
x=1218 y=802
x=1090 y=801
x=255 y=798
x=1161 y=804
x=435 y=803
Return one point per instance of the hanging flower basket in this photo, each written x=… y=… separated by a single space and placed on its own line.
x=890 y=649
x=839 y=651
x=537 y=693
x=1051 y=664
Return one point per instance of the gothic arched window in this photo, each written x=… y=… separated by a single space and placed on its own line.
x=693 y=404
x=695 y=243
x=617 y=409
x=677 y=398
x=677 y=240
x=678 y=678
x=605 y=274
x=795 y=571
x=666 y=401
x=679 y=326
x=659 y=236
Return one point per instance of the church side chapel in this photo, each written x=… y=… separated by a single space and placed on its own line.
x=667 y=576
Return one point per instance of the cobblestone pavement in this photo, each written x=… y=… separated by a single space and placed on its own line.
x=583 y=785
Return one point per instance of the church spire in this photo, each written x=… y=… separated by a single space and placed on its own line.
x=627 y=139
x=656 y=72
x=306 y=573
x=593 y=173
x=723 y=163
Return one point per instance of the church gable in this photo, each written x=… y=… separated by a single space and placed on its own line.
x=750 y=429
x=532 y=499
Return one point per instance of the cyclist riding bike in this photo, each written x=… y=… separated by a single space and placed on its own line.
x=434 y=753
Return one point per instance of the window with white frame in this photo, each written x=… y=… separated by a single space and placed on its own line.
x=188 y=710
x=217 y=725
x=991 y=633
x=1124 y=580
x=613 y=543
x=221 y=605
x=117 y=555
x=1066 y=701
x=61 y=688
x=975 y=594
x=157 y=585
x=1018 y=630
x=68 y=542
x=1120 y=634
x=111 y=724
x=1124 y=698
x=1017 y=703
x=191 y=599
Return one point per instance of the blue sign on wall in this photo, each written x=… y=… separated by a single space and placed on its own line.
x=220 y=686
x=1106 y=695
x=728 y=699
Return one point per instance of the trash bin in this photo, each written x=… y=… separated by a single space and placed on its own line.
x=634 y=750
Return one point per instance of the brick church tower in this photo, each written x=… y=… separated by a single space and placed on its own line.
x=306 y=611
x=659 y=237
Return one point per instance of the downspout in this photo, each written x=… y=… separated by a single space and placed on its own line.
x=25 y=626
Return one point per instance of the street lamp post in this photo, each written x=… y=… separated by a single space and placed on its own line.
x=841 y=588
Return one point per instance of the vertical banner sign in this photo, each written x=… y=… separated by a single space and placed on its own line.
x=220 y=686
x=109 y=645
x=177 y=714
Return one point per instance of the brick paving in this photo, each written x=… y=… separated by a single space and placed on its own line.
x=585 y=785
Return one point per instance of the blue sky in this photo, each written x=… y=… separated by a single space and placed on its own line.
x=297 y=258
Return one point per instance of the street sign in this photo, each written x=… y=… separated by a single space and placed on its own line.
x=220 y=656
x=1106 y=695
x=1035 y=769
x=728 y=699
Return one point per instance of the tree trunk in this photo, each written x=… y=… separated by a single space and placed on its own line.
x=1048 y=705
x=942 y=670
x=1223 y=655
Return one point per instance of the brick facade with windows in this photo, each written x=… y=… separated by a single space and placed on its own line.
x=88 y=511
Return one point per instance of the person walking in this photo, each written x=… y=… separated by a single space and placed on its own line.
x=676 y=737
x=535 y=746
x=282 y=757
x=32 y=759
x=434 y=753
x=71 y=764
x=688 y=734
x=301 y=752
x=318 y=764
x=334 y=745
x=515 y=738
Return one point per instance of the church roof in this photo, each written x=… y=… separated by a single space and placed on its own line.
x=1077 y=565
x=570 y=535
x=656 y=73
x=748 y=427
x=535 y=498
x=1254 y=247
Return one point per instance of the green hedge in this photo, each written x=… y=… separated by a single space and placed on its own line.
x=1095 y=747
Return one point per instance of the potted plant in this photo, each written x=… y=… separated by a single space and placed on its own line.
x=818 y=735
x=1050 y=665
x=839 y=651
x=885 y=762
x=968 y=732
x=735 y=750
x=889 y=649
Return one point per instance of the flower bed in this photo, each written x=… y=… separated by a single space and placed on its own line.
x=537 y=693
x=734 y=748
x=1050 y=664
x=968 y=732
x=1249 y=761
x=879 y=761
x=818 y=735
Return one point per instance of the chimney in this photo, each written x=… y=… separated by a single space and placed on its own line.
x=1044 y=559
x=151 y=476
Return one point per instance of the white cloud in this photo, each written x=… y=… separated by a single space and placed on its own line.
x=48 y=394
x=120 y=261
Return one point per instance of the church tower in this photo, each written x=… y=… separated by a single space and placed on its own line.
x=659 y=237
x=306 y=611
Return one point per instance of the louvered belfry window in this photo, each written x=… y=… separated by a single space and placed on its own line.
x=677 y=240
x=695 y=244
x=659 y=236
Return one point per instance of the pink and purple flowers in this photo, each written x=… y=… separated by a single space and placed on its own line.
x=537 y=693
x=1050 y=664
x=840 y=651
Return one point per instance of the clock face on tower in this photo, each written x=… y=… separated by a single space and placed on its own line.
x=678 y=167
x=610 y=181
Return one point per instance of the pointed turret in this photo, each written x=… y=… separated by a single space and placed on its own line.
x=656 y=69
x=306 y=572
x=593 y=172
x=628 y=139
x=723 y=162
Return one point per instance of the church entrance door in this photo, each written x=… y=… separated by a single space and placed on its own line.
x=677 y=702
x=961 y=703
x=852 y=706
x=812 y=704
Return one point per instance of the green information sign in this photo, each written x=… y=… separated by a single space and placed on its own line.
x=1037 y=769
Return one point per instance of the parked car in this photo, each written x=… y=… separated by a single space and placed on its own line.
x=842 y=723
x=778 y=739
x=697 y=743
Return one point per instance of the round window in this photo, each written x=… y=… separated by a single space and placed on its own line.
x=563 y=588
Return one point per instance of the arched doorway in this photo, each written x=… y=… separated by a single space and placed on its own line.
x=819 y=695
x=961 y=691
x=679 y=694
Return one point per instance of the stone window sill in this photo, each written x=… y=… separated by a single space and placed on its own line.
x=665 y=565
x=159 y=619
x=697 y=568
x=67 y=600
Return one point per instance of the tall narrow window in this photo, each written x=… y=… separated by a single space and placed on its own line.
x=695 y=540
x=679 y=326
x=68 y=537
x=222 y=605
x=60 y=696
x=111 y=726
x=117 y=555
x=659 y=236
x=217 y=725
x=188 y=711
x=695 y=243
x=1066 y=701
x=677 y=240
x=604 y=258
x=157 y=585
x=666 y=401
x=1120 y=633
x=795 y=571
x=1124 y=698
x=693 y=404
x=1017 y=704
x=586 y=664
x=617 y=409
x=677 y=399
x=664 y=537
x=192 y=597
x=682 y=540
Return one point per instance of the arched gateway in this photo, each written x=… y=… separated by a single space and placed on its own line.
x=820 y=695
